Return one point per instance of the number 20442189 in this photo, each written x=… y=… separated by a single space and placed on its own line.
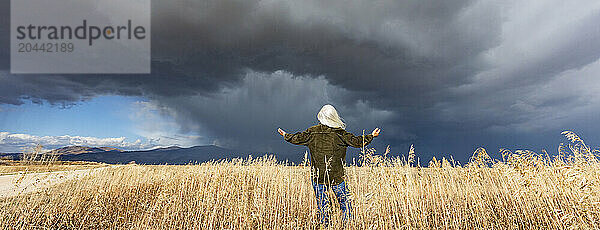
x=63 y=47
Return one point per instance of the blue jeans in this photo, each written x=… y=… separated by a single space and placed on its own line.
x=341 y=192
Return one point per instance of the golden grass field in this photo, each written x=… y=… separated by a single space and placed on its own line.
x=525 y=190
x=13 y=167
x=36 y=161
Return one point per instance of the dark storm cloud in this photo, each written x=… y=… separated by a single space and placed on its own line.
x=362 y=46
x=447 y=75
x=247 y=117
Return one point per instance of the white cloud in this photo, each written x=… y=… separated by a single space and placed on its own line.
x=156 y=123
x=15 y=142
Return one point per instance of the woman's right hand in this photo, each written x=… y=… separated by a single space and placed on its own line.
x=376 y=132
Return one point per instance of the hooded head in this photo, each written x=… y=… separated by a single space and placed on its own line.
x=329 y=116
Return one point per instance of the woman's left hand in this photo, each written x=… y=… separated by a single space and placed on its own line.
x=375 y=132
x=281 y=132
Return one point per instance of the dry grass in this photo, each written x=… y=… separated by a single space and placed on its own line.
x=37 y=156
x=523 y=191
x=35 y=159
x=12 y=167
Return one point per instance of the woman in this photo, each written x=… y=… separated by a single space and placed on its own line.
x=327 y=143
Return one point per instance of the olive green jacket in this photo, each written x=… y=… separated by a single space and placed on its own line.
x=328 y=150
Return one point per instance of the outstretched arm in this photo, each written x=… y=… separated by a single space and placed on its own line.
x=360 y=141
x=299 y=138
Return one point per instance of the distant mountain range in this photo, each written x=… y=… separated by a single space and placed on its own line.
x=82 y=149
x=169 y=155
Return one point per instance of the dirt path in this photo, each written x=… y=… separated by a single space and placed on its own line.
x=12 y=185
